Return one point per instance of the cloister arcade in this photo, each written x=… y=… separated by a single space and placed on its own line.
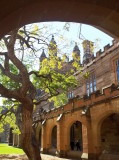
x=101 y=14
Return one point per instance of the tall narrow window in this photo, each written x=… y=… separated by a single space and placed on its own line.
x=117 y=69
x=91 y=84
x=70 y=95
x=88 y=88
x=91 y=87
x=118 y=73
x=94 y=83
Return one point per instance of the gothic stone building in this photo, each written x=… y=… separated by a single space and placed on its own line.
x=91 y=116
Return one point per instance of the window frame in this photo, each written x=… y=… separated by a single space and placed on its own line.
x=91 y=84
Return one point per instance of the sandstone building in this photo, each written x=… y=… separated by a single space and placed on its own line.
x=92 y=114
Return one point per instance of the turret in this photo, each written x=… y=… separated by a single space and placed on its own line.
x=43 y=56
x=52 y=47
x=88 y=47
x=76 y=53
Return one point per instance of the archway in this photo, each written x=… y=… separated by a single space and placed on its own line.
x=97 y=13
x=110 y=135
x=10 y=138
x=54 y=137
x=76 y=136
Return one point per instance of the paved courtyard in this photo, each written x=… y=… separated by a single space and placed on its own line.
x=23 y=157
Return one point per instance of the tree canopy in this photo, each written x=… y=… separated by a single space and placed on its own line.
x=20 y=78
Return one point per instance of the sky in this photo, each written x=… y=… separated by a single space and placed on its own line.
x=71 y=36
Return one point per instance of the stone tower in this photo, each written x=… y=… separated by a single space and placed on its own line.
x=76 y=52
x=52 y=47
x=88 y=51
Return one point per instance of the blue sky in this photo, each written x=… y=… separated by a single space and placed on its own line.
x=99 y=38
x=72 y=36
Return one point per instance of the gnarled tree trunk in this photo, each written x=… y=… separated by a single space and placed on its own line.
x=28 y=141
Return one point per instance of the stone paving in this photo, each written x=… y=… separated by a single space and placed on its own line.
x=23 y=157
x=48 y=157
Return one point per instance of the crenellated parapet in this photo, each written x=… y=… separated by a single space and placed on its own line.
x=108 y=49
x=81 y=103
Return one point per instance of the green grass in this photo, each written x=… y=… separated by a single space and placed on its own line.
x=5 y=149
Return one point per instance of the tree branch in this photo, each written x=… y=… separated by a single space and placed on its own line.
x=5 y=113
x=6 y=93
x=13 y=77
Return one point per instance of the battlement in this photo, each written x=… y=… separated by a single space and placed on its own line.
x=80 y=103
x=108 y=49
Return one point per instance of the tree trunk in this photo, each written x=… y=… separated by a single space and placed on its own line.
x=28 y=141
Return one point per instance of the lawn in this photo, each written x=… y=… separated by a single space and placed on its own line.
x=5 y=149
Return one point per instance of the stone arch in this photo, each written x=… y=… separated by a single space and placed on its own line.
x=54 y=137
x=109 y=134
x=105 y=111
x=51 y=124
x=68 y=125
x=100 y=14
x=76 y=136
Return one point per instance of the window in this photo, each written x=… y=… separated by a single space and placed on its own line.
x=91 y=89
x=88 y=88
x=91 y=84
x=70 y=95
x=117 y=69
x=94 y=83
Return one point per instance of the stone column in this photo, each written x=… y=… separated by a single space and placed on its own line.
x=44 y=148
x=88 y=140
x=61 y=138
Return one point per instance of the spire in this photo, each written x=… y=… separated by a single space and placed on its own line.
x=43 y=56
x=88 y=51
x=76 y=52
x=53 y=40
x=52 y=47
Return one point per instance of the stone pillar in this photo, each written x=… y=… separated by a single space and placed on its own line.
x=15 y=140
x=18 y=140
x=10 y=140
x=44 y=146
x=96 y=139
x=61 y=149
x=88 y=140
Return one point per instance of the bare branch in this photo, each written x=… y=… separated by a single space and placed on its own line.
x=6 y=112
x=3 y=53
